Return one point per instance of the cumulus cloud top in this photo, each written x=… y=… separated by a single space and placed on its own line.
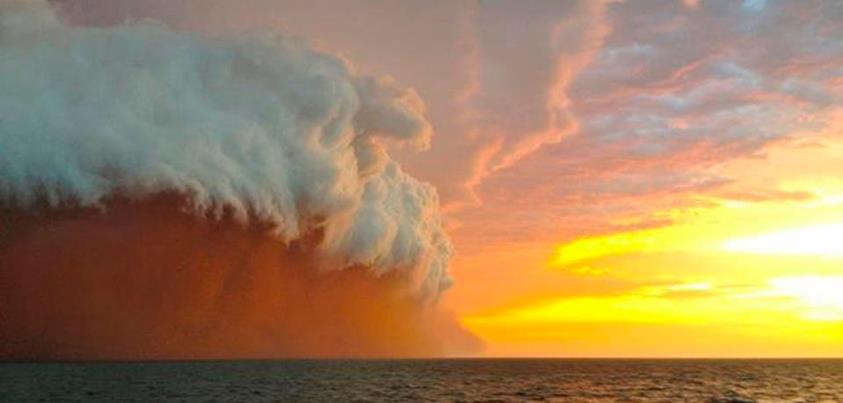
x=264 y=129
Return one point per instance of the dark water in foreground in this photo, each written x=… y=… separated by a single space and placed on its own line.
x=430 y=380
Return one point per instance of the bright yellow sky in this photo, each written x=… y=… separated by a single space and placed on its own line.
x=733 y=278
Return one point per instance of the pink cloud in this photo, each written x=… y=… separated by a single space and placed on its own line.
x=673 y=91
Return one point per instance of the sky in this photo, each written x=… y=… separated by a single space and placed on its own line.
x=618 y=178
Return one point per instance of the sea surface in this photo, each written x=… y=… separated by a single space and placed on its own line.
x=488 y=380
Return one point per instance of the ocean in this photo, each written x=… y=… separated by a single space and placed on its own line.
x=442 y=380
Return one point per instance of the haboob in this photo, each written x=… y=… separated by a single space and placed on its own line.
x=166 y=194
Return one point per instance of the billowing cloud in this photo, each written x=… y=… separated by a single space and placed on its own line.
x=261 y=129
x=263 y=133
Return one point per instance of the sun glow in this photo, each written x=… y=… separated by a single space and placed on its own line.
x=821 y=294
x=821 y=240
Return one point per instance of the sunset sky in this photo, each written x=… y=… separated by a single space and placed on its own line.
x=619 y=178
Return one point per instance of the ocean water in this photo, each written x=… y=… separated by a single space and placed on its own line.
x=488 y=380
